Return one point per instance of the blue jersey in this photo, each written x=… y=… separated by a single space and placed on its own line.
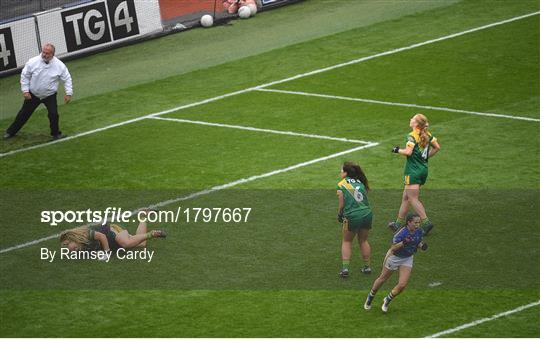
x=410 y=248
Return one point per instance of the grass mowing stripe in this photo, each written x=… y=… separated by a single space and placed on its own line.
x=355 y=61
x=483 y=320
x=389 y=103
x=216 y=188
x=264 y=130
x=241 y=181
x=401 y=49
x=202 y=102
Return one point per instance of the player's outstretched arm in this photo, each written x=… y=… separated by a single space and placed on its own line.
x=407 y=151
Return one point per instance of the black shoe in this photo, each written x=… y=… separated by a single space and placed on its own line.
x=8 y=136
x=59 y=136
x=366 y=270
x=428 y=228
x=344 y=273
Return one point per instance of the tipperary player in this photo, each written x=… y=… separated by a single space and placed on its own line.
x=355 y=215
x=399 y=257
x=421 y=146
x=108 y=237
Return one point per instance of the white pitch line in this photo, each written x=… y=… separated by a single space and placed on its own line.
x=264 y=130
x=30 y=243
x=389 y=103
x=217 y=188
x=393 y=51
x=480 y=321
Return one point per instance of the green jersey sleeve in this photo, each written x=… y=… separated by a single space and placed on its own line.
x=410 y=140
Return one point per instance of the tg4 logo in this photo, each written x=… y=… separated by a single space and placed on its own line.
x=92 y=25
x=7 y=51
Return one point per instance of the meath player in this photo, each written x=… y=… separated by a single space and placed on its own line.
x=421 y=146
x=399 y=257
x=355 y=215
x=107 y=237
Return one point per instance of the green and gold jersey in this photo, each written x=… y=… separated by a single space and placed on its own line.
x=355 y=198
x=110 y=231
x=417 y=162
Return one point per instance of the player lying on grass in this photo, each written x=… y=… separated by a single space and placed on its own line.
x=399 y=257
x=355 y=215
x=108 y=237
x=421 y=146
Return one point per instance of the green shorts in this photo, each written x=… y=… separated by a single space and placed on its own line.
x=415 y=178
x=355 y=224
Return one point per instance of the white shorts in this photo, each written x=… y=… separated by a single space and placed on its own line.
x=393 y=262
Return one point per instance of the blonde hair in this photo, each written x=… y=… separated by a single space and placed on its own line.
x=422 y=125
x=79 y=235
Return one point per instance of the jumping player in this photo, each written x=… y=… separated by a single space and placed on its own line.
x=421 y=146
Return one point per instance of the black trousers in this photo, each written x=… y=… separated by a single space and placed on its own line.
x=29 y=106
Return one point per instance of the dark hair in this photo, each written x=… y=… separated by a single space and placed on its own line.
x=354 y=171
x=411 y=216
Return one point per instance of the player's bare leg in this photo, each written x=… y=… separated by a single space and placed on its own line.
x=381 y=279
x=405 y=203
x=365 y=250
x=143 y=225
x=413 y=192
x=127 y=240
x=142 y=229
x=402 y=214
x=346 y=250
x=404 y=275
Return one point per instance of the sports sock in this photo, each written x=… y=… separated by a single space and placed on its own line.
x=424 y=222
x=400 y=221
x=345 y=264
x=370 y=296
x=149 y=235
x=389 y=297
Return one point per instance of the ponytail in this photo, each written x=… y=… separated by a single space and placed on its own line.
x=422 y=125
x=354 y=171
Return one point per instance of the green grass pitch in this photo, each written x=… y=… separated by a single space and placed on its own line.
x=277 y=274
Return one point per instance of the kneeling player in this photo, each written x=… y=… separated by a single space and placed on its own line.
x=108 y=237
x=399 y=257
